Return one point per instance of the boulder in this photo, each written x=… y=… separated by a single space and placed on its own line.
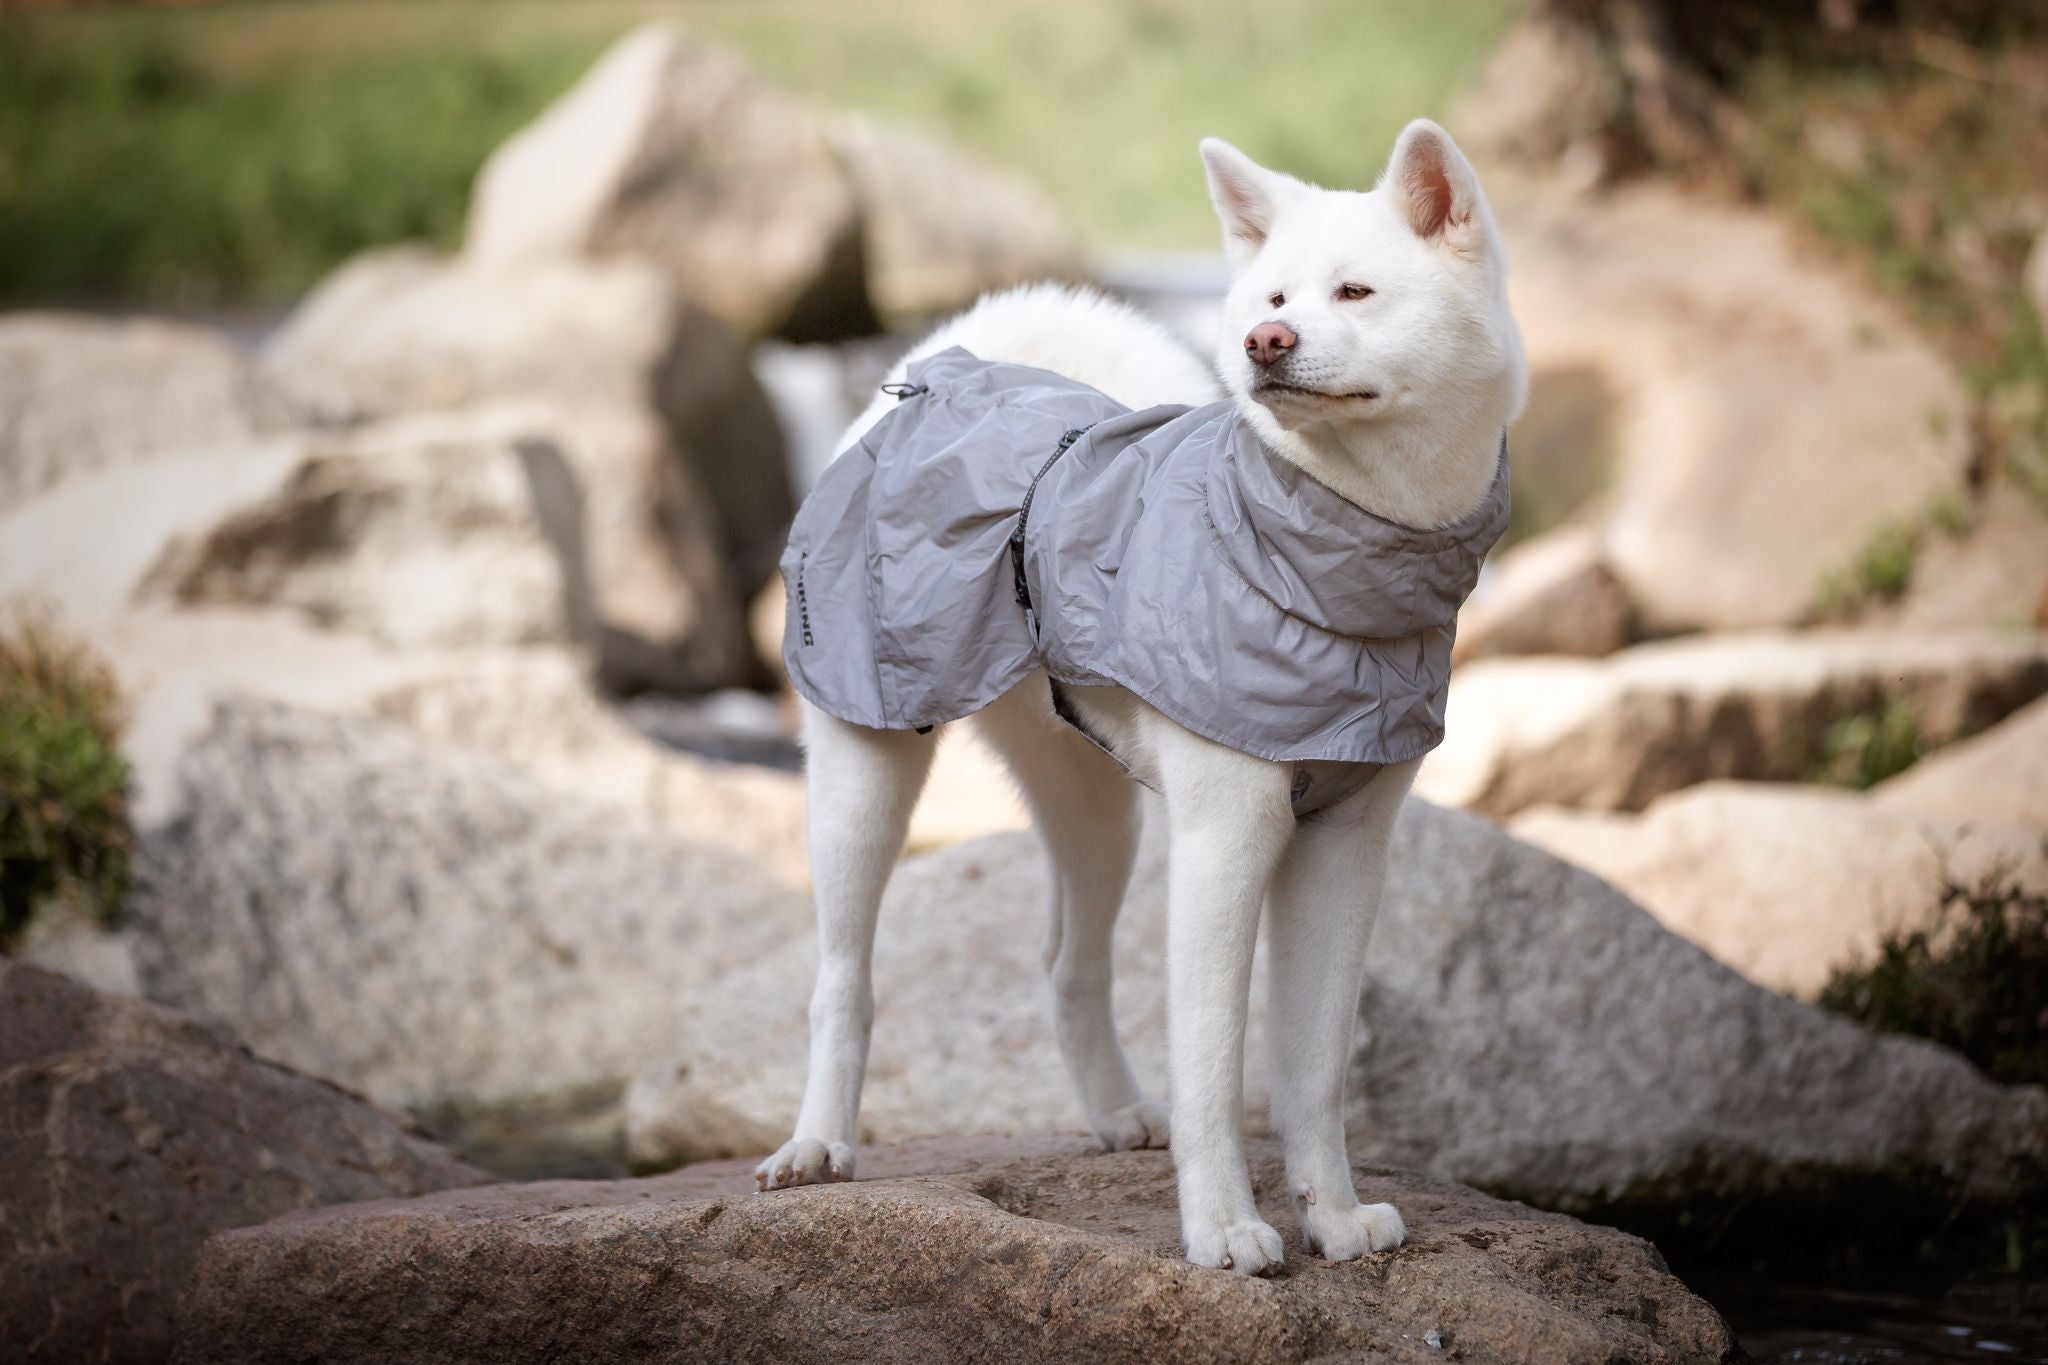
x=129 y=1136
x=421 y=538
x=942 y=228
x=83 y=547
x=1995 y=777
x=510 y=523
x=1529 y=1029
x=1616 y=733
x=1758 y=389
x=1525 y=1027
x=539 y=714
x=1018 y=1249
x=402 y=330
x=80 y=394
x=672 y=150
x=1552 y=595
x=1786 y=884
x=427 y=926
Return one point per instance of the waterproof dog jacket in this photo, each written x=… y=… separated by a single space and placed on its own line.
x=1004 y=519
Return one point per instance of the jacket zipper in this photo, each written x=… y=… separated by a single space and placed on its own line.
x=1024 y=520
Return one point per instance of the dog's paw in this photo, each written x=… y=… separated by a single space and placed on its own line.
x=1134 y=1126
x=1345 y=1234
x=1248 y=1247
x=804 y=1161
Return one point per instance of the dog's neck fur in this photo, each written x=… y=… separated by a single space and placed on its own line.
x=1424 y=474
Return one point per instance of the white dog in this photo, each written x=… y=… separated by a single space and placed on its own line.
x=1368 y=342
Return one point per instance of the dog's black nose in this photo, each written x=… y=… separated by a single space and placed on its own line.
x=1268 y=341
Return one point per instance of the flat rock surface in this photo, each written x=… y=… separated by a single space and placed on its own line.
x=128 y=1135
x=1004 y=1249
x=1616 y=733
x=1787 y=884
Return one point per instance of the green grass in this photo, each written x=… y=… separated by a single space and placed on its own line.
x=1882 y=568
x=231 y=153
x=1976 y=980
x=1862 y=750
x=64 y=829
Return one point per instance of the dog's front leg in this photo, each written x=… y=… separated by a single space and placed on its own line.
x=1228 y=821
x=1326 y=894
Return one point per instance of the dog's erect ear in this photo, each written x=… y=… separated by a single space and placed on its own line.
x=1433 y=185
x=1247 y=197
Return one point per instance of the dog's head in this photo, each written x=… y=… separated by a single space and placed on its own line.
x=1350 y=308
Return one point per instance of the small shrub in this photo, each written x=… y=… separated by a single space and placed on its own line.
x=1864 y=749
x=64 y=829
x=1976 y=980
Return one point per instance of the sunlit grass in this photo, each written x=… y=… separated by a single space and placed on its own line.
x=233 y=152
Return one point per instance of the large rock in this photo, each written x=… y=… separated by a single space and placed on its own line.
x=402 y=330
x=419 y=537
x=672 y=150
x=1020 y=1249
x=82 y=548
x=428 y=926
x=539 y=714
x=1525 y=1028
x=1616 y=733
x=1759 y=390
x=129 y=1136
x=536 y=712
x=2000 y=776
x=510 y=523
x=1552 y=595
x=79 y=395
x=1787 y=884
x=942 y=228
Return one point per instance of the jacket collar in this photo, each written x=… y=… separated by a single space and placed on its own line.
x=1329 y=562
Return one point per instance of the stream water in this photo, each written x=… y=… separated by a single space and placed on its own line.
x=1875 y=1320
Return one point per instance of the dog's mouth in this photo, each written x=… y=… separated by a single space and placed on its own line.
x=1297 y=391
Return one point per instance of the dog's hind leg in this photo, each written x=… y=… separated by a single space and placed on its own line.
x=1325 y=897
x=861 y=786
x=1086 y=812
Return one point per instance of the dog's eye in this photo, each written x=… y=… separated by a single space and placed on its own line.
x=1277 y=300
x=1352 y=293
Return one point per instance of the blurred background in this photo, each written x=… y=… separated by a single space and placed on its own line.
x=402 y=407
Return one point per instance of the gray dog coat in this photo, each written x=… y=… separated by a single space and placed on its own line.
x=1004 y=519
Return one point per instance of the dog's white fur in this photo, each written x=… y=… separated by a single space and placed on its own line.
x=1396 y=399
